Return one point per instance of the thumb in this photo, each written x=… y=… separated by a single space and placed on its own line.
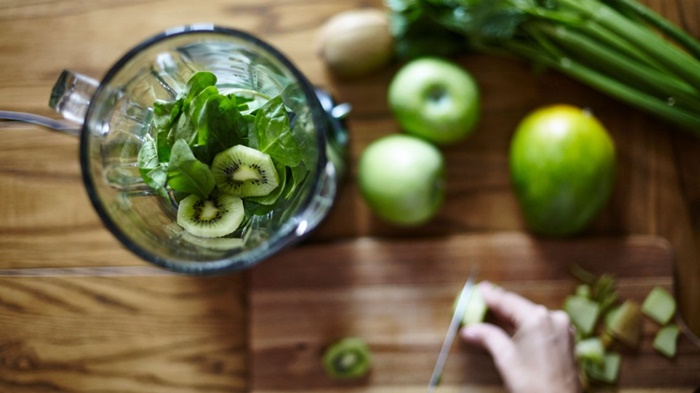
x=492 y=338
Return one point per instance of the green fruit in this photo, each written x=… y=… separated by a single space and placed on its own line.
x=435 y=99
x=214 y=216
x=562 y=166
x=244 y=172
x=402 y=179
x=348 y=358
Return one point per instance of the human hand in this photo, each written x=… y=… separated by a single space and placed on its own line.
x=539 y=356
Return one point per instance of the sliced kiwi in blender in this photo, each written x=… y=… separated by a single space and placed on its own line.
x=348 y=358
x=215 y=216
x=213 y=243
x=244 y=172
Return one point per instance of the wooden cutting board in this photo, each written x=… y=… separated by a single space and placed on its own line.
x=397 y=295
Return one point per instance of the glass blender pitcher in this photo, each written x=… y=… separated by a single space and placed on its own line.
x=115 y=116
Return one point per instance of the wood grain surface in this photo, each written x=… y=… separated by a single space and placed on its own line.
x=79 y=313
x=398 y=297
x=120 y=330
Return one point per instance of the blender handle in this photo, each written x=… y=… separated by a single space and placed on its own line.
x=54 y=124
x=71 y=95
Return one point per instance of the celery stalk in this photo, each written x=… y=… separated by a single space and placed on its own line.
x=677 y=34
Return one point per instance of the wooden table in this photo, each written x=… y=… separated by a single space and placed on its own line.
x=79 y=313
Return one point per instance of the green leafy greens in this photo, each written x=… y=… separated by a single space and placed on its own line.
x=188 y=132
x=611 y=45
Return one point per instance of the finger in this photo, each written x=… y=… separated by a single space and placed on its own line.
x=508 y=305
x=563 y=325
x=561 y=320
x=490 y=337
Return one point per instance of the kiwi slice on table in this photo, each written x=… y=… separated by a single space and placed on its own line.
x=245 y=172
x=348 y=358
x=214 y=216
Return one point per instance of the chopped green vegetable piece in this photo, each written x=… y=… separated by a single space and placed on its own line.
x=625 y=323
x=591 y=350
x=475 y=311
x=666 y=340
x=659 y=305
x=348 y=358
x=608 y=371
x=583 y=313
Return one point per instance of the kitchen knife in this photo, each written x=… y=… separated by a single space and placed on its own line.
x=457 y=316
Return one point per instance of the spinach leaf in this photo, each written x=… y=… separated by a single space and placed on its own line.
x=156 y=179
x=148 y=156
x=187 y=174
x=274 y=134
x=151 y=169
x=241 y=101
x=163 y=145
x=183 y=129
x=165 y=114
x=196 y=108
x=162 y=113
x=197 y=83
x=298 y=175
x=251 y=139
x=221 y=126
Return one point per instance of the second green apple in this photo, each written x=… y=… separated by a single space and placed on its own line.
x=435 y=99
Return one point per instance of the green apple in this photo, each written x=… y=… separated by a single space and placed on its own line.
x=562 y=166
x=402 y=179
x=435 y=99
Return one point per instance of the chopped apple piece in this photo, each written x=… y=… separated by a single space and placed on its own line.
x=476 y=309
x=608 y=371
x=666 y=340
x=591 y=350
x=659 y=305
x=583 y=313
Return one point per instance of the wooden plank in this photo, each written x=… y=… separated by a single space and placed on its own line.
x=121 y=329
x=398 y=294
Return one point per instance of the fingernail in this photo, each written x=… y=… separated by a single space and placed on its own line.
x=486 y=286
x=468 y=334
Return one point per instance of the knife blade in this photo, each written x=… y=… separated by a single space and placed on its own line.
x=464 y=297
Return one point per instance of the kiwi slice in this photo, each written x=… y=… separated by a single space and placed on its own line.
x=348 y=358
x=244 y=172
x=214 y=216
x=213 y=243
